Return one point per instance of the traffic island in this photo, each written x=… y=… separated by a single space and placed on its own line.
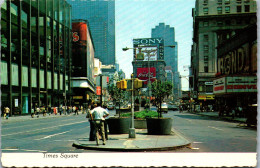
x=142 y=142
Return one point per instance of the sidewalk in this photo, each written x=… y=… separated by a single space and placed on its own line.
x=215 y=115
x=17 y=118
x=142 y=142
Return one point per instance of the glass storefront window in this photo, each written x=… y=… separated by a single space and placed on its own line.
x=14 y=13
x=55 y=81
x=4 y=11
x=24 y=19
x=49 y=80
x=25 y=76
x=49 y=21
x=34 y=77
x=61 y=81
x=3 y=38
x=15 y=42
x=25 y=46
x=42 y=78
x=15 y=75
x=49 y=50
x=50 y=8
x=4 y=74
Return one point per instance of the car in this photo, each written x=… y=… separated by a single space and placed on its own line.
x=110 y=107
x=172 y=107
x=164 y=107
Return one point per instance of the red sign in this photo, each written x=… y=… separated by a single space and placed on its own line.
x=98 y=90
x=143 y=74
x=75 y=36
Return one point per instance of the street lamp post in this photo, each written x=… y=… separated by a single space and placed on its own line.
x=132 y=129
x=149 y=78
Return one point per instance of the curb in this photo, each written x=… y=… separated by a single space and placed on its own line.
x=131 y=150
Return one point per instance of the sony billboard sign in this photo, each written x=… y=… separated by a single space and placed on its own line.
x=145 y=45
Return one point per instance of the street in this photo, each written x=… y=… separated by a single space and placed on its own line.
x=57 y=134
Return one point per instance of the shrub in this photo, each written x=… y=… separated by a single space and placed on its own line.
x=141 y=114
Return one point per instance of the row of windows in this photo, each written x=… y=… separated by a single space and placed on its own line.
x=227 y=9
x=228 y=22
x=25 y=77
x=205 y=2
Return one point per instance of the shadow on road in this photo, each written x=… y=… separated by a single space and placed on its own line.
x=195 y=117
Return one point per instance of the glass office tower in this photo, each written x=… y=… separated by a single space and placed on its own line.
x=101 y=18
x=35 y=54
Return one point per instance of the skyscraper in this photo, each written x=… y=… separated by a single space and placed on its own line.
x=170 y=54
x=101 y=18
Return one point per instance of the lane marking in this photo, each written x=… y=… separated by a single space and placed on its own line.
x=216 y=128
x=49 y=136
x=42 y=128
x=197 y=142
x=64 y=140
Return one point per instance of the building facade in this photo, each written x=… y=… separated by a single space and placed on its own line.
x=170 y=54
x=82 y=75
x=35 y=54
x=101 y=18
x=214 y=21
x=235 y=84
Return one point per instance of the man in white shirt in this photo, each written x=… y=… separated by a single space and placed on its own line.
x=99 y=114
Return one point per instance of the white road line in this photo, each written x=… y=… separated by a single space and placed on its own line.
x=197 y=142
x=216 y=128
x=49 y=136
x=42 y=128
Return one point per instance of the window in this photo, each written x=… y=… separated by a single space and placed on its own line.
x=205 y=10
x=247 y=8
x=239 y=1
x=220 y=23
x=228 y=22
x=227 y=9
x=239 y=9
x=206 y=69
x=205 y=23
x=219 y=1
x=247 y=1
x=206 y=37
x=219 y=10
x=206 y=48
x=227 y=1
x=205 y=2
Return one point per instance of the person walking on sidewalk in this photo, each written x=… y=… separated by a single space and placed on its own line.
x=92 y=133
x=37 y=111
x=6 y=112
x=99 y=115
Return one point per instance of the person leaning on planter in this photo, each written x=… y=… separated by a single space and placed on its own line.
x=99 y=114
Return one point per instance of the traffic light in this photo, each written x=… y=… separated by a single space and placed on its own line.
x=138 y=83
x=118 y=84
x=123 y=84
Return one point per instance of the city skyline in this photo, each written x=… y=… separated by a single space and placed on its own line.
x=130 y=15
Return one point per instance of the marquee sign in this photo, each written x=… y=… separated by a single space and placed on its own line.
x=155 y=47
x=236 y=84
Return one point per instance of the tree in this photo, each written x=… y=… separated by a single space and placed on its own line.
x=159 y=91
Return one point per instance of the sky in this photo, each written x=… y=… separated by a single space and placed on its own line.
x=136 y=18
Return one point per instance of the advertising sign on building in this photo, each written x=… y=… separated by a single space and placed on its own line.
x=143 y=74
x=98 y=89
x=241 y=84
x=153 y=47
x=235 y=84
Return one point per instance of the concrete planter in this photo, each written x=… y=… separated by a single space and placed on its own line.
x=118 y=125
x=159 y=126
x=140 y=124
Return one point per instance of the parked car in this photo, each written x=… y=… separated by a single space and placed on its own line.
x=172 y=107
x=164 y=107
x=110 y=107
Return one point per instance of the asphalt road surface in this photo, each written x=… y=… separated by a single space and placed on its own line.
x=56 y=135
x=213 y=135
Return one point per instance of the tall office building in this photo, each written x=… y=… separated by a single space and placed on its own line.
x=215 y=21
x=101 y=18
x=170 y=54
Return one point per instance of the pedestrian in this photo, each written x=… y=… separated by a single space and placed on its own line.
x=60 y=109
x=32 y=113
x=99 y=115
x=6 y=111
x=43 y=110
x=92 y=133
x=74 y=109
x=105 y=122
x=37 y=111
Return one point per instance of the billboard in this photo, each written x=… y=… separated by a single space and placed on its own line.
x=235 y=84
x=143 y=74
x=153 y=47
